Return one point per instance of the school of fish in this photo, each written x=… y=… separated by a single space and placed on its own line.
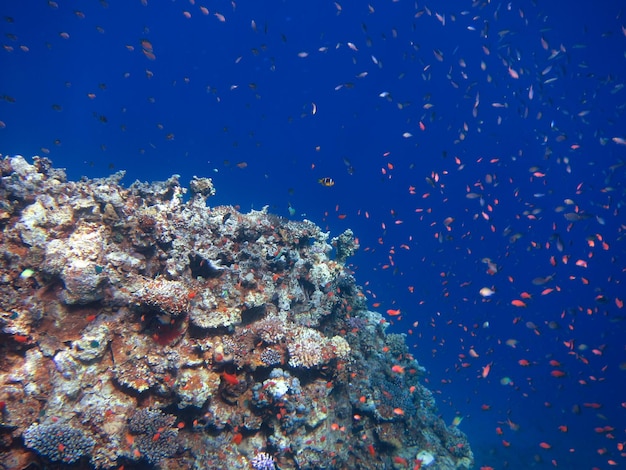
x=477 y=151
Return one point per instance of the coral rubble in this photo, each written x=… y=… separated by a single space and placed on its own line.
x=144 y=329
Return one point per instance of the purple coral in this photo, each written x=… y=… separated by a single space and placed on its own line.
x=154 y=438
x=59 y=442
x=263 y=461
x=148 y=421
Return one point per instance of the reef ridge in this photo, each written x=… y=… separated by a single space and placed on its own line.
x=141 y=327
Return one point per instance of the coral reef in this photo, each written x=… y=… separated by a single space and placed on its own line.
x=143 y=328
x=58 y=442
x=152 y=436
x=263 y=461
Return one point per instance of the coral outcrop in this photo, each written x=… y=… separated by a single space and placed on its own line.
x=141 y=327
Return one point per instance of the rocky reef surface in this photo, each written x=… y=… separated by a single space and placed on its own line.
x=141 y=328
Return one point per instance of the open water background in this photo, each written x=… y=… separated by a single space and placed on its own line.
x=455 y=132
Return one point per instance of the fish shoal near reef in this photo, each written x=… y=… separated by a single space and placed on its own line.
x=138 y=326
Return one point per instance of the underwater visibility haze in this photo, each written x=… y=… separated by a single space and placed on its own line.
x=330 y=234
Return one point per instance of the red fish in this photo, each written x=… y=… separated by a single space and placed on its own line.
x=231 y=379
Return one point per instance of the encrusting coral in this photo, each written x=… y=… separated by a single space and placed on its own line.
x=140 y=328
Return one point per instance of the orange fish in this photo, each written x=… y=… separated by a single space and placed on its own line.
x=231 y=379
x=398 y=369
x=595 y=406
x=393 y=313
x=545 y=445
x=558 y=373
x=486 y=370
x=523 y=363
x=518 y=303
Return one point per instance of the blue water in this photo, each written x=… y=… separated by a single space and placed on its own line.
x=520 y=104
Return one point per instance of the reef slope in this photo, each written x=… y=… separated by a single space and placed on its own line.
x=143 y=328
